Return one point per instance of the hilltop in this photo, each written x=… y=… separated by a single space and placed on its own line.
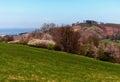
x=102 y=30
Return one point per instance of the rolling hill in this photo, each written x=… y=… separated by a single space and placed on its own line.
x=20 y=63
x=100 y=30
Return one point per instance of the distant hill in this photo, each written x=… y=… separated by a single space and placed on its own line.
x=112 y=28
x=100 y=30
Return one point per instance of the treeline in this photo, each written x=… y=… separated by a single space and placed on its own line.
x=64 y=38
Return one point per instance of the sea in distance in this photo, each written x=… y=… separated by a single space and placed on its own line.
x=15 y=31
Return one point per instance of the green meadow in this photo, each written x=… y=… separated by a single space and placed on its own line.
x=20 y=63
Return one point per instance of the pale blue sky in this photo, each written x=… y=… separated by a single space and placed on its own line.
x=33 y=13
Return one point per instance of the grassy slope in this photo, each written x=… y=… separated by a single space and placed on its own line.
x=23 y=63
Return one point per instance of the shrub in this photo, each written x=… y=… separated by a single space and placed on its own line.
x=1 y=39
x=50 y=46
x=8 y=38
x=47 y=36
x=41 y=43
x=109 y=52
x=105 y=56
x=84 y=49
x=14 y=42
x=24 y=40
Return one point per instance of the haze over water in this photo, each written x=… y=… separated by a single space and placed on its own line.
x=14 y=31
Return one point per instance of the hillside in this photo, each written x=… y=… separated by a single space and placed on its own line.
x=100 y=30
x=28 y=64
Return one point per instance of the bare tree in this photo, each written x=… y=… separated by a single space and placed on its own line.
x=67 y=39
x=47 y=27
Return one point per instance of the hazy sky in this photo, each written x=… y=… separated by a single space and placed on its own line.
x=32 y=13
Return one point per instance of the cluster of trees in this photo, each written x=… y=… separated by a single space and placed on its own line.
x=115 y=36
x=68 y=40
x=71 y=41
x=6 y=38
x=109 y=52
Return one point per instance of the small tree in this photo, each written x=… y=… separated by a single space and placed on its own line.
x=66 y=39
x=8 y=38
x=84 y=49
x=24 y=40
x=1 y=39
x=47 y=27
